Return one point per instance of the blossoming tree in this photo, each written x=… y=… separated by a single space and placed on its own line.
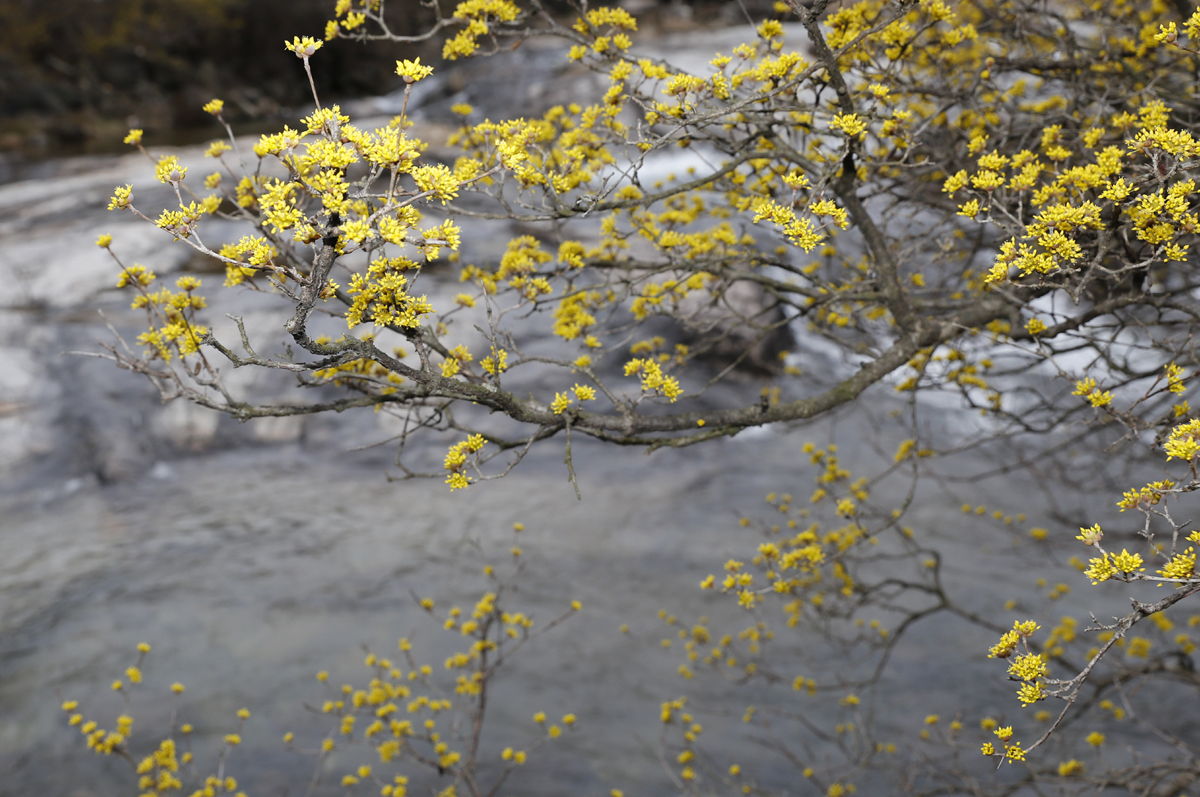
x=986 y=199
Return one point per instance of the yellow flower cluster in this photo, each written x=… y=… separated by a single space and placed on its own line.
x=303 y=47
x=457 y=459
x=601 y=17
x=1184 y=441
x=1095 y=396
x=1181 y=567
x=563 y=400
x=1009 y=640
x=1159 y=218
x=495 y=363
x=800 y=232
x=172 y=325
x=653 y=379
x=412 y=71
x=1147 y=496
x=1111 y=565
x=380 y=296
x=478 y=14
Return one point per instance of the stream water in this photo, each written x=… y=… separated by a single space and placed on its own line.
x=252 y=556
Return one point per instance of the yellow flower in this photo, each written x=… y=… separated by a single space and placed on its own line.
x=134 y=138
x=599 y=17
x=122 y=196
x=437 y=180
x=303 y=48
x=1030 y=693
x=1100 y=569
x=1182 y=442
x=1166 y=33
x=848 y=123
x=495 y=364
x=169 y=171
x=1183 y=566
x=412 y=71
x=955 y=182
x=1126 y=562
x=795 y=179
x=214 y=107
x=1095 y=396
x=771 y=29
x=104 y=241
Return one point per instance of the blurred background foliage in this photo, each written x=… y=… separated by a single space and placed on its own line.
x=78 y=71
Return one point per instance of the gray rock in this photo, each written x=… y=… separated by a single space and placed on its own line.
x=186 y=425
